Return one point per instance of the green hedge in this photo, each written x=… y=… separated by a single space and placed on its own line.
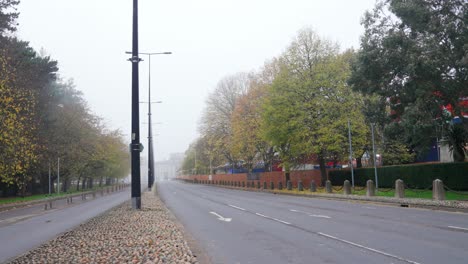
x=420 y=176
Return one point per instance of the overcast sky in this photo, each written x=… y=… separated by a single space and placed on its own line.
x=209 y=40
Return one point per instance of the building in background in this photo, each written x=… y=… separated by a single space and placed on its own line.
x=165 y=170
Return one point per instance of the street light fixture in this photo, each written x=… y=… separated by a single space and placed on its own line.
x=150 y=130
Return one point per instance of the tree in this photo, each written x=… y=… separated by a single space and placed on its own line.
x=417 y=57
x=8 y=16
x=215 y=124
x=310 y=103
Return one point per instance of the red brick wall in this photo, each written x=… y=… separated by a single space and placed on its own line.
x=276 y=176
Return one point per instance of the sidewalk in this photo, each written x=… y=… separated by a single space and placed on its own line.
x=16 y=205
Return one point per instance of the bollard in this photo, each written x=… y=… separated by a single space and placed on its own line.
x=399 y=189
x=370 y=190
x=280 y=185
x=45 y=206
x=258 y=185
x=243 y=184
x=438 y=192
x=272 y=185
x=346 y=188
x=299 y=186
x=71 y=199
x=265 y=186
x=289 y=185
x=328 y=186
x=313 y=186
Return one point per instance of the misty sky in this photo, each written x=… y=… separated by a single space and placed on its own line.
x=209 y=40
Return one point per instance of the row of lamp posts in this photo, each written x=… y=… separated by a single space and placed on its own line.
x=135 y=146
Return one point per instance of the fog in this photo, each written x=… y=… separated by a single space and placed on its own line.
x=209 y=40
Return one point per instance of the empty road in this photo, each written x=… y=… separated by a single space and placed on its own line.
x=27 y=228
x=234 y=226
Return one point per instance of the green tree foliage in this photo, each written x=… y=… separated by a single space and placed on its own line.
x=8 y=15
x=416 y=55
x=310 y=103
x=43 y=118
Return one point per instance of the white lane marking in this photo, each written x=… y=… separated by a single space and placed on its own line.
x=456 y=227
x=262 y=215
x=274 y=219
x=368 y=207
x=221 y=218
x=320 y=216
x=310 y=214
x=237 y=207
x=281 y=221
x=368 y=248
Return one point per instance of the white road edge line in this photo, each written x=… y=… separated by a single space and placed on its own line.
x=237 y=207
x=456 y=227
x=368 y=248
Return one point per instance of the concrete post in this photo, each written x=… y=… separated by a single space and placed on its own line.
x=272 y=185
x=328 y=186
x=370 y=190
x=280 y=185
x=313 y=186
x=438 y=191
x=300 y=187
x=289 y=185
x=346 y=188
x=399 y=189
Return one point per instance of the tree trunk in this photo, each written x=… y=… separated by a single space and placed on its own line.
x=287 y=171
x=78 y=184
x=323 y=170
x=359 y=162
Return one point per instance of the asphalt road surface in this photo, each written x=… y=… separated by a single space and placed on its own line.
x=27 y=228
x=233 y=226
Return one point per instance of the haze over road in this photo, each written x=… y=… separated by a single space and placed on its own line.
x=38 y=227
x=234 y=226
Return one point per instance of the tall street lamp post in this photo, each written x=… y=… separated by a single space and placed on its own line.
x=135 y=145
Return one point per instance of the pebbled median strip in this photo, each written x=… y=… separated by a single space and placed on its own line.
x=121 y=235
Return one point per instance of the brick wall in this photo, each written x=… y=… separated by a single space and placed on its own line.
x=275 y=176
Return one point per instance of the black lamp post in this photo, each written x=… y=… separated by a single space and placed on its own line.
x=135 y=145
